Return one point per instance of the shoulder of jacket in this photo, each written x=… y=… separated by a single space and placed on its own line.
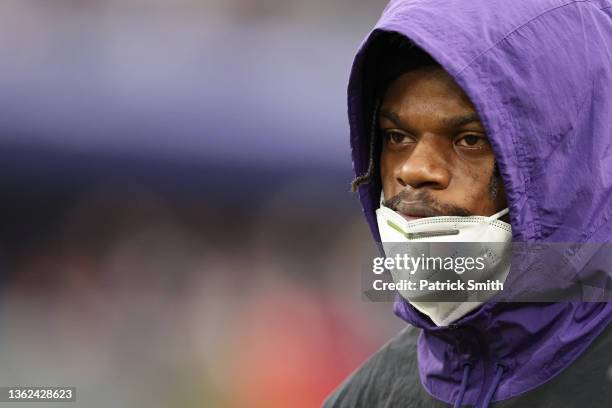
x=393 y=365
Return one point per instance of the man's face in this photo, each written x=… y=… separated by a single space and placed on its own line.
x=436 y=159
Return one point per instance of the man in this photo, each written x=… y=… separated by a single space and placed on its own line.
x=463 y=108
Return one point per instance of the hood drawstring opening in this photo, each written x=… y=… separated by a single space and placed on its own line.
x=464 y=381
x=493 y=387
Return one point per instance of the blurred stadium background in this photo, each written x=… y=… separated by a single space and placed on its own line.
x=177 y=228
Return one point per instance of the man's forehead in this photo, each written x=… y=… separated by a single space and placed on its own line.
x=427 y=81
x=431 y=93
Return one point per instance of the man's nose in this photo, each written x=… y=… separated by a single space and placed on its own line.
x=425 y=167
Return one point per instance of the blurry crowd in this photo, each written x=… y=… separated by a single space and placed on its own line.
x=141 y=300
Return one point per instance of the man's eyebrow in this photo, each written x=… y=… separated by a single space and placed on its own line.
x=450 y=123
x=454 y=122
x=392 y=116
x=462 y=120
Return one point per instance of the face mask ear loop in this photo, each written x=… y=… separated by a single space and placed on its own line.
x=498 y=215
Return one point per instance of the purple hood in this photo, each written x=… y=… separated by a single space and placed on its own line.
x=540 y=75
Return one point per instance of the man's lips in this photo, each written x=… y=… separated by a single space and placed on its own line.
x=414 y=212
x=410 y=217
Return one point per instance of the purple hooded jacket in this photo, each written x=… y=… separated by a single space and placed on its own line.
x=539 y=72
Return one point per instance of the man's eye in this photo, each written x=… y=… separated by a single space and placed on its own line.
x=472 y=141
x=395 y=137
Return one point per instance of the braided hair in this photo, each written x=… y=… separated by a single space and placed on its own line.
x=369 y=174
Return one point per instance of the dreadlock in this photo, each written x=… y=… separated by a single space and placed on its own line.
x=367 y=176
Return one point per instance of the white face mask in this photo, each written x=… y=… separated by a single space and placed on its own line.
x=485 y=238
